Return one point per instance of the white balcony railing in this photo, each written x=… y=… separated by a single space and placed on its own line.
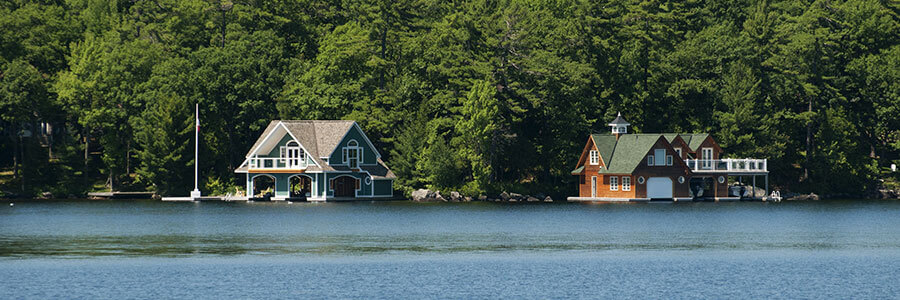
x=728 y=165
x=277 y=163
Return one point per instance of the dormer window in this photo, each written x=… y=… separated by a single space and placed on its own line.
x=352 y=153
x=293 y=155
x=595 y=157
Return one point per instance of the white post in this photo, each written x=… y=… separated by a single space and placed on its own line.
x=196 y=192
x=754 y=187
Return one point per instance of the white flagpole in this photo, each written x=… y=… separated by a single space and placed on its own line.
x=196 y=192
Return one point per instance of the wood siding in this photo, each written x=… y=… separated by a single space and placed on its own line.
x=678 y=168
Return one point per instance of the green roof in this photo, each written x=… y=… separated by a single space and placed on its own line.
x=629 y=151
x=623 y=155
x=695 y=140
x=606 y=143
x=578 y=170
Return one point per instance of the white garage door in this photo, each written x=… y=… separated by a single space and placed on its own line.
x=659 y=187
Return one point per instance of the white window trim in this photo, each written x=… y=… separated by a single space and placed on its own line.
x=595 y=157
x=359 y=153
x=669 y=160
x=626 y=183
x=678 y=151
x=707 y=159
x=650 y=160
x=613 y=183
x=593 y=186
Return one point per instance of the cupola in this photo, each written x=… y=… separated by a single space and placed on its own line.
x=619 y=126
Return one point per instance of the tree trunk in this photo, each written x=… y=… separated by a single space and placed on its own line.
x=808 y=143
x=22 y=153
x=127 y=157
x=15 y=155
x=87 y=141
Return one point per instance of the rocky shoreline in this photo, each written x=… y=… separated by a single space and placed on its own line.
x=425 y=195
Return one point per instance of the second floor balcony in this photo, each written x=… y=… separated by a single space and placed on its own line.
x=276 y=163
x=728 y=165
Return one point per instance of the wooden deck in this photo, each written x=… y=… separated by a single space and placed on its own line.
x=120 y=195
x=648 y=200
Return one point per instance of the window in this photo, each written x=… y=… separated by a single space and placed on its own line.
x=293 y=155
x=668 y=160
x=614 y=183
x=650 y=160
x=593 y=186
x=595 y=157
x=352 y=154
x=626 y=183
x=641 y=180
x=660 y=155
x=678 y=151
x=622 y=129
x=707 y=154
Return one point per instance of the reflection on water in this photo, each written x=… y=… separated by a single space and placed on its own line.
x=149 y=249
x=147 y=228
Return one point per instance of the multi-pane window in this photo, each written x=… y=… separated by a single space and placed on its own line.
x=626 y=183
x=660 y=155
x=707 y=157
x=613 y=183
x=595 y=157
x=352 y=154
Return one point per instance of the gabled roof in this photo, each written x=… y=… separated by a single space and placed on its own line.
x=695 y=140
x=629 y=152
x=319 y=138
x=624 y=154
x=605 y=143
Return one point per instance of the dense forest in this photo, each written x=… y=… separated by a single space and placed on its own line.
x=478 y=96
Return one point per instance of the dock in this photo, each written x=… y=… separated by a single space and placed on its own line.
x=647 y=200
x=120 y=195
x=205 y=198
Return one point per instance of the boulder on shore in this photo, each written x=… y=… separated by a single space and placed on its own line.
x=504 y=196
x=482 y=198
x=424 y=195
x=516 y=196
x=810 y=197
x=548 y=199
x=532 y=199
x=455 y=196
x=886 y=194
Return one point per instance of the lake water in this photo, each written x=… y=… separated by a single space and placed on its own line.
x=150 y=249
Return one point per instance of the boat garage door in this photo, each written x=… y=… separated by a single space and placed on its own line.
x=659 y=187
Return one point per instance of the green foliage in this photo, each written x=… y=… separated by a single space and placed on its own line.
x=478 y=131
x=478 y=96
x=164 y=135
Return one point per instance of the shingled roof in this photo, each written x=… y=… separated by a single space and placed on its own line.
x=624 y=154
x=319 y=138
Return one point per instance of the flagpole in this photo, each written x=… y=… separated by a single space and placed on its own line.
x=196 y=192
